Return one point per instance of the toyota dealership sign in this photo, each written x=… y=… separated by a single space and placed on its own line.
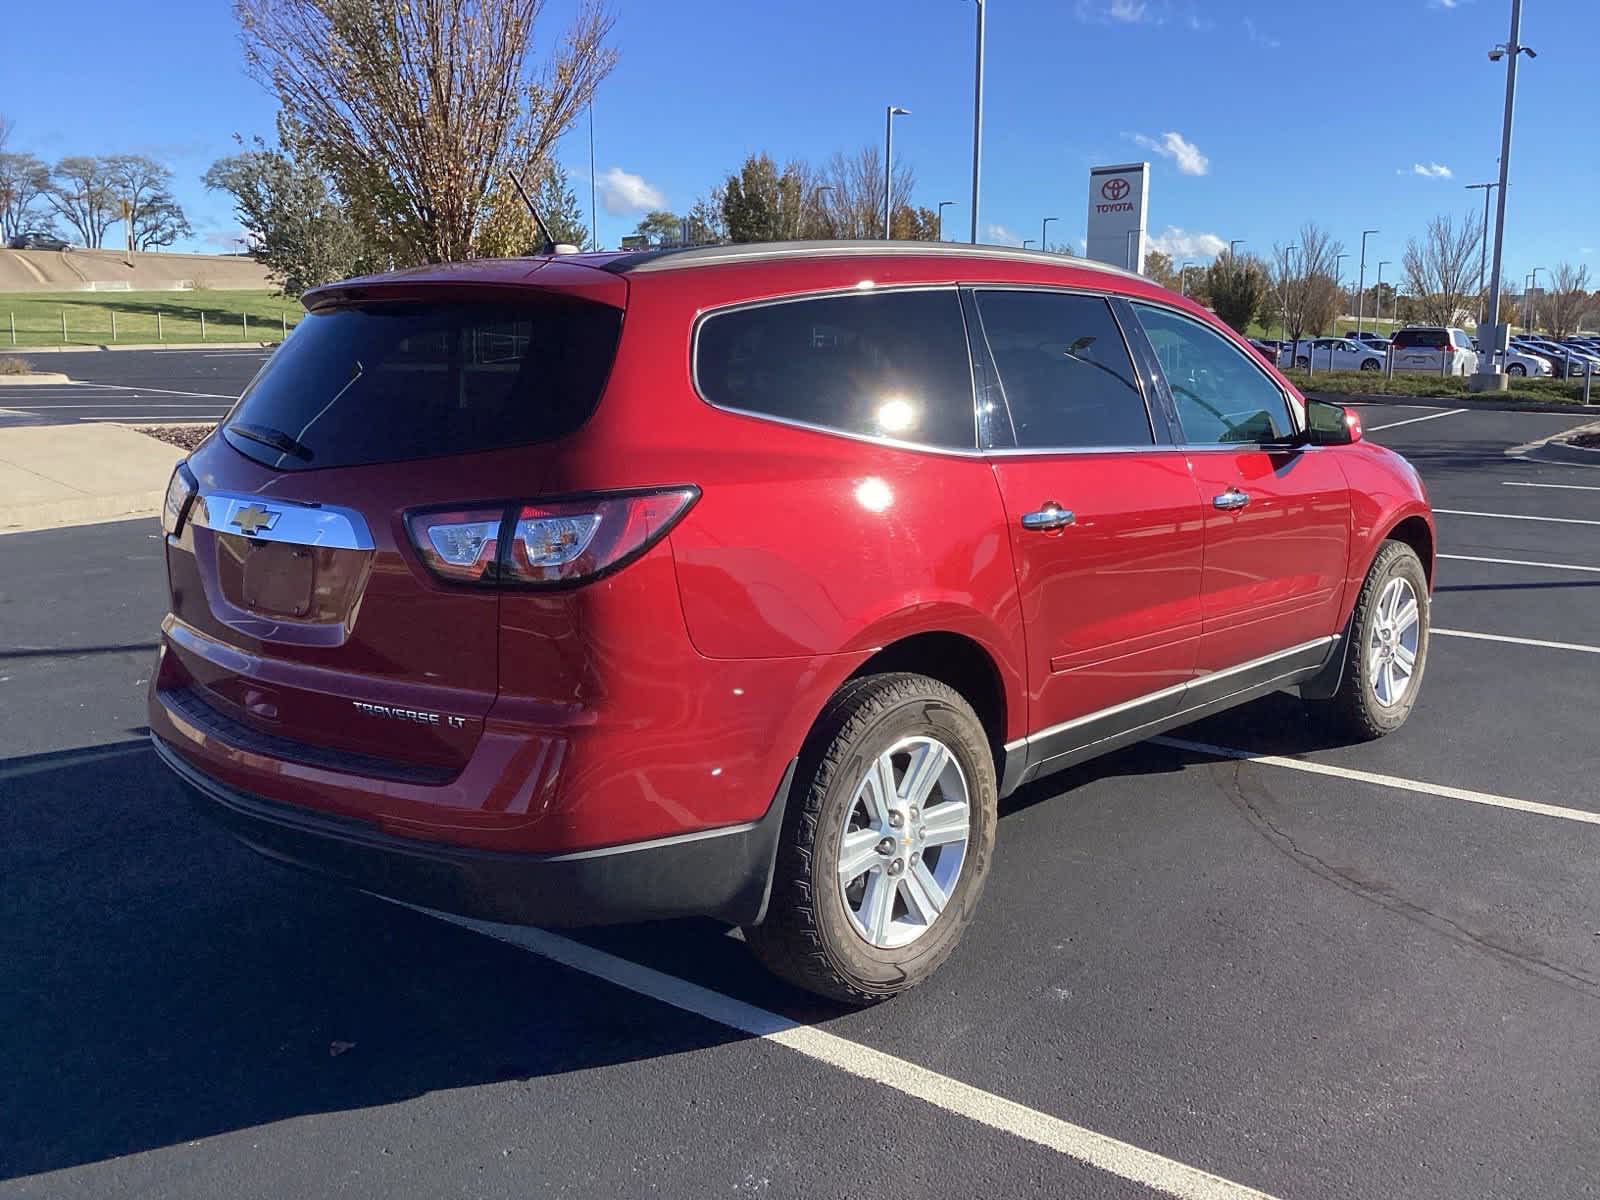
x=1118 y=199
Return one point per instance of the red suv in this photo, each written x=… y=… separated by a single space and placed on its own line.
x=744 y=581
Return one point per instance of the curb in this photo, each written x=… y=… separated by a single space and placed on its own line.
x=1556 y=448
x=92 y=349
x=1470 y=402
x=36 y=377
x=83 y=510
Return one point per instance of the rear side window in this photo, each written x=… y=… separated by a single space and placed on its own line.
x=389 y=382
x=1065 y=370
x=1460 y=338
x=1432 y=339
x=888 y=365
x=1222 y=396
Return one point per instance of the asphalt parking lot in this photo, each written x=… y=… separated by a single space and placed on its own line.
x=132 y=387
x=1249 y=959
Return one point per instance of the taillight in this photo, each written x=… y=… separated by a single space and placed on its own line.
x=546 y=543
x=181 y=491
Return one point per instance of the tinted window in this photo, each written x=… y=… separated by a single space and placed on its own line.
x=387 y=382
x=890 y=365
x=1064 y=369
x=1428 y=338
x=1222 y=396
x=1459 y=336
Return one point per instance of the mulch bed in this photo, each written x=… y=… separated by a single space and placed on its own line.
x=186 y=436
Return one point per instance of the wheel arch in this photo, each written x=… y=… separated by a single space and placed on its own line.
x=1415 y=532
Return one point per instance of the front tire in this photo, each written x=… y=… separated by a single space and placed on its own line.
x=886 y=841
x=1516 y=369
x=1388 y=647
x=1302 y=362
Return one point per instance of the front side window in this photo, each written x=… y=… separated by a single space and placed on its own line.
x=1222 y=397
x=893 y=364
x=1065 y=370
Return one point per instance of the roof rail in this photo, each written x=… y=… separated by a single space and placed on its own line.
x=643 y=261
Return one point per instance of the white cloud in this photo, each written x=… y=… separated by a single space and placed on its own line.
x=1431 y=170
x=1259 y=38
x=1181 y=244
x=623 y=192
x=1127 y=12
x=1175 y=146
x=999 y=235
x=1446 y=4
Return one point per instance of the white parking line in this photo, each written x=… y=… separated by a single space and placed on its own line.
x=1389 y=781
x=1413 y=420
x=1579 y=647
x=112 y=404
x=121 y=387
x=1517 y=562
x=1118 y=1158
x=1458 y=512
x=1569 y=487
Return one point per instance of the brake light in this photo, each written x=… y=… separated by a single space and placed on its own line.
x=181 y=491
x=546 y=543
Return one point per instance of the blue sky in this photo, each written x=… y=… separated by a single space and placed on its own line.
x=1257 y=114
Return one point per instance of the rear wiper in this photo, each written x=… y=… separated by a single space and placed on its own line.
x=275 y=438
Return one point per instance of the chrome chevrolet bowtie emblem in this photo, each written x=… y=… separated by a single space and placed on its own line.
x=252 y=519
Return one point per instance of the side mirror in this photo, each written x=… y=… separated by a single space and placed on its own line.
x=1331 y=424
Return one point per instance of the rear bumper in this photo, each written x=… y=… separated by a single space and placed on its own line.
x=721 y=873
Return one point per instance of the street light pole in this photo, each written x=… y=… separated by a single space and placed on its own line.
x=1529 y=303
x=1183 y=277
x=1511 y=51
x=1026 y=242
x=1483 y=248
x=943 y=204
x=1361 y=287
x=977 y=123
x=1378 y=299
x=890 y=113
x=1283 y=290
x=817 y=196
x=1043 y=227
x=1338 y=277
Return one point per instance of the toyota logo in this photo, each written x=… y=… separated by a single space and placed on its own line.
x=1114 y=189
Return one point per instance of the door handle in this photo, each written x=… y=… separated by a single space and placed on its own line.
x=1051 y=516
x=1231 y=499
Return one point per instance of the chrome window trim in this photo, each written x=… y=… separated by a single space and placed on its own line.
x=835 y=293
x=298 y=523
x=1166 y=692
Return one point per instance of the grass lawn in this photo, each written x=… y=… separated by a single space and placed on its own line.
x=1372 y=383
x=248 y=316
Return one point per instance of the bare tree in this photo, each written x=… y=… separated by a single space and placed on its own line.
x=82 y=193
x=145 y=200
x=24 y=180
x=1304 y=289
x=1441 y=270
x=417 y=108
x=854 y=207
x=1566 y=300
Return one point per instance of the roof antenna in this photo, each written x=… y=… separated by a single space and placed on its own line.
x=549 y=246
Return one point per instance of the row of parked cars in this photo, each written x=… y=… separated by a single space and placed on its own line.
x=1437 y=349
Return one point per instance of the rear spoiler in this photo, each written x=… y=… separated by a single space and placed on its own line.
x=503 y=280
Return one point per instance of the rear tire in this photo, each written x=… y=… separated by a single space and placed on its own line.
x=1516 y=369
x=1369 y=364
x=1388 y=648
x=859 y=935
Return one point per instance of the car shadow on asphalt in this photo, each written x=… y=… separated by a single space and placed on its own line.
x=159 y=983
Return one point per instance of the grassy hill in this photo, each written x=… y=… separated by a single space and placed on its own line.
x=230 y=316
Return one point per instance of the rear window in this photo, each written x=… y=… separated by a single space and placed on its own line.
x=892 y=364
x=389 y=382
x=1433 y=338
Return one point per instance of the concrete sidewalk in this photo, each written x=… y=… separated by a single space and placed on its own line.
x=54 y=475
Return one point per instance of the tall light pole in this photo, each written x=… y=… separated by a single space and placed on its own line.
x=943 y=204
x=1378 y=287
x=1183 y=277
x=1338 y=276
x=1510 y=50
x=594 y=223
x=889 y=114
x=977 y=124
x=1361 y=286
x=1026 y=242
x=1532 y=305
x=1283 y=291
x=1043 y=226
x=1483 y=246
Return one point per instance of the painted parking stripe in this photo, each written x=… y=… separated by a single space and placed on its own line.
x=1399 y=783
x=1126 y=1161
x=1567 y=487
x=122 y=387
x=1518 y=562
x=1460 y=512
x=103 y=405
x=1578 y=647
x=1413 y=420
